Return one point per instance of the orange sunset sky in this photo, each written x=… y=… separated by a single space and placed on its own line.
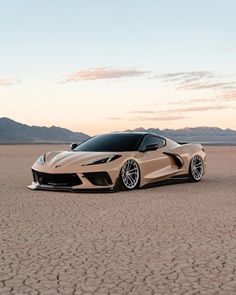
x=99 y=66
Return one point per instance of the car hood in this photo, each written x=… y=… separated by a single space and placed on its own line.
x=72 y=162
x=70 y=158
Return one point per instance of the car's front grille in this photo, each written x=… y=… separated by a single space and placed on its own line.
x=68 y=179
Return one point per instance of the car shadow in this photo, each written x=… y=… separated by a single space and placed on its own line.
x=171 y=181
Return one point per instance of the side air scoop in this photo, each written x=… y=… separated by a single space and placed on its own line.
x=177 y=158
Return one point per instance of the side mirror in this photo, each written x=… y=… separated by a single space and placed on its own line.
x=150 y=147
x=73 y=145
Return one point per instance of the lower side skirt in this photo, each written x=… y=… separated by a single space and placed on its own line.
x=172 y=180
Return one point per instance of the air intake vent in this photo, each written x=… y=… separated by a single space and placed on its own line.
x=99 y=178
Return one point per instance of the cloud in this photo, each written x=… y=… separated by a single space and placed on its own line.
x=193 y=101
x=142 y=112
x=184 y=77
x=206 y=85
x=8 y=82
x=197 y=80
x=171 y=114
x=157 y=118
x=219 y=98
x=103 y=73
x=197 y=109
x=114 y=118
x=162 y=114
x=230 y=96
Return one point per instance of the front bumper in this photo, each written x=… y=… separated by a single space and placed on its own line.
x=90 y=181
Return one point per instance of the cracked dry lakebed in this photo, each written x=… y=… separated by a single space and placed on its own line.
x=169 y=239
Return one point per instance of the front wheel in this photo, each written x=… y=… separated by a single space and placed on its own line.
x=130 y=175
x=196 y=169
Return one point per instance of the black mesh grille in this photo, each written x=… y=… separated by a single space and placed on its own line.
x=69 y=179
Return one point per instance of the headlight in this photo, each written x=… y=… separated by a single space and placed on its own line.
x=102 y=160
x=41 y=159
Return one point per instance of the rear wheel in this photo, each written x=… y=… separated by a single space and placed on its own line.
x=196 y=169
x=130 y=175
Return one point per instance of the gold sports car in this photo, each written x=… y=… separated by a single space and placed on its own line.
x=122 y=160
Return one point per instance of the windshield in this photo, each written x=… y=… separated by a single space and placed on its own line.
x=117 y=142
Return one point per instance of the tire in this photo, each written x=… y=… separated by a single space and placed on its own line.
x=129 y=178
x=196 y=168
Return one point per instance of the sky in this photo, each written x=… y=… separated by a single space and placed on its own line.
x=100 y=66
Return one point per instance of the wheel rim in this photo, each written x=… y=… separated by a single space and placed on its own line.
x=130 y=174
x=197 y=167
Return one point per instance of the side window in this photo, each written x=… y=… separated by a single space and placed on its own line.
x=149 y=139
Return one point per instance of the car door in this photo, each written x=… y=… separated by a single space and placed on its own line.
x=155 y=164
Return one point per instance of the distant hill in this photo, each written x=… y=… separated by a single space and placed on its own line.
x=14 y=132
x=197 y=134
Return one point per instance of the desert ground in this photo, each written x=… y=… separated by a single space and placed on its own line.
x=169 y=239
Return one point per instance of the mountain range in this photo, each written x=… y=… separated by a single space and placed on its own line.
x=15 y=132
x=207 y=135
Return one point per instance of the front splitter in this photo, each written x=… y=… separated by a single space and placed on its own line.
x=67 y=188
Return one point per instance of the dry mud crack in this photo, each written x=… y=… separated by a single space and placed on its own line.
x=173 y=239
